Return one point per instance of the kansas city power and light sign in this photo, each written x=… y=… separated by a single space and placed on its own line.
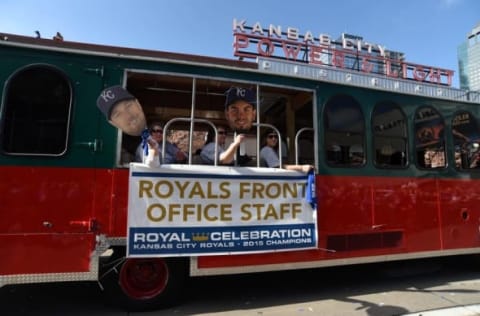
x=347 y=52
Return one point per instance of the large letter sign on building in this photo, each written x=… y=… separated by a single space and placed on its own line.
x=291 y=44
x=177 y=210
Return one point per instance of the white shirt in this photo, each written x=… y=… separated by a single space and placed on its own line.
x=170 y=154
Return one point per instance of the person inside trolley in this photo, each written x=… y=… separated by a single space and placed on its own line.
x=269 y=154
x=225 y=155
x=240 y=112
x=173 y=154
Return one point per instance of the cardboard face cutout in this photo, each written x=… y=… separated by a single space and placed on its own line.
x=129 y=117
x=122 y=110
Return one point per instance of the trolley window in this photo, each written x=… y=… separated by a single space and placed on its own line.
x=36 y=112
x=389 y=136
x=189 y=106
x=344 y=132
x=466 y=137
x=429 y=138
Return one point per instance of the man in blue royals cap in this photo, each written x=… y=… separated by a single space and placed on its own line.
x=241 y=113
x=240 y=110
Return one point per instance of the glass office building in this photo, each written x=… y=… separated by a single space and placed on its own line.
x=469 y=61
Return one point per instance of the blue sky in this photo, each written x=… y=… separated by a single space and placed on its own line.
x=427 y=31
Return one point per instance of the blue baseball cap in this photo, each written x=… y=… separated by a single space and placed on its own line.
x=109 y=97
x=236 y=93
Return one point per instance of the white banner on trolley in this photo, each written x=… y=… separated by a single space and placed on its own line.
x=191 y=210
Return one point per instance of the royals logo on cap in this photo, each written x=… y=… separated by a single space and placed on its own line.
x=111 y=96
x=237 y=93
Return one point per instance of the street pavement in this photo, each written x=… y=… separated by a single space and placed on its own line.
x=415 y=288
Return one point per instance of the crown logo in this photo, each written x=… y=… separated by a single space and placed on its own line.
x=200 y=237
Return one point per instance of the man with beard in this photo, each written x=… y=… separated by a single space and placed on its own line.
x=240 y=112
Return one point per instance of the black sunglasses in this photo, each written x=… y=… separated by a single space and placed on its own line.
x=272 y=136
x=157 y=131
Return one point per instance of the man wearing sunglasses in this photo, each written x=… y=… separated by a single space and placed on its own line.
x=224 y=154
x=173 y=154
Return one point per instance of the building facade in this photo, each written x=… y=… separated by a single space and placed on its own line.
x=469 y=61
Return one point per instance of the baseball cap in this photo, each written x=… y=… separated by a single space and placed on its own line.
x=237 y=93
x=111 y=96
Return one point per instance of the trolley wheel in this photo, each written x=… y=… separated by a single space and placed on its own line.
x=140 y=284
